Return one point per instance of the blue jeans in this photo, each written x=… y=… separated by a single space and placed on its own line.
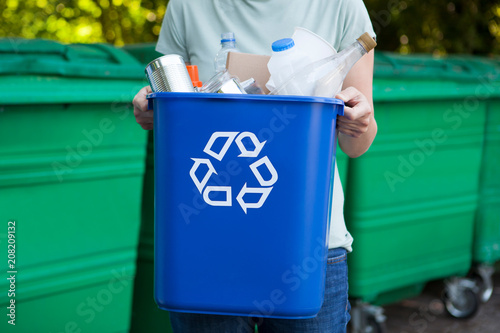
x=332 y=317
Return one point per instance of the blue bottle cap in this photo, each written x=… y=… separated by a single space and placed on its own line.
x=227 y=37
x=283 y=44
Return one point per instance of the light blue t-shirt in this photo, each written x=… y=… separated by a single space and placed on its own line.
x=192 y=29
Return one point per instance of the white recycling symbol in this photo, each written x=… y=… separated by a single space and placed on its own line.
x=237 y=137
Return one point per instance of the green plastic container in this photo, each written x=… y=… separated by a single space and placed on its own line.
x=71 y=175
x=411 y=199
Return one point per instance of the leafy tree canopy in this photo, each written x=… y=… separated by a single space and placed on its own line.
x=117 y=22
x=436 y=26
x=405 y=26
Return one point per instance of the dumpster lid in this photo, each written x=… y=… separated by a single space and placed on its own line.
x=45 y=57
x=425 y=66
x=144 y=52
x=422 y=76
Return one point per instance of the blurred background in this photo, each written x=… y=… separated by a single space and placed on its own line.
x=77 y=173
x=403 y=26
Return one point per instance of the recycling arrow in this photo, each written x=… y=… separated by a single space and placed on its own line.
x=220 y=155
x=262 y=190
x=246 y=153
x=197 y=162
x=274 y=175
x=210 y=189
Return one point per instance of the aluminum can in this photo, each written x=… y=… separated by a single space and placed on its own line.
x=169 y=74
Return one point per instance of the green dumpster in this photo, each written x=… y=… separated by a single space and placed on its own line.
x=486 y=246
x=146 y=316
x=71 y=175
x=143 y=52
x=411 y=199
x=487 y=232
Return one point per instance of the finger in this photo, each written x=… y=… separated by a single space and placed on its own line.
x=357 y=131
x=354 y=129
x=349 y=132
x=357 y=108
x=145 y=120
x=147 y=126
x=349 y=126
x=349 y=112
x=348 y=94
x=140 y=99
x=146 y=114
x=360 y=125
x=138 y=112
x=363 y=121
x=142 y=105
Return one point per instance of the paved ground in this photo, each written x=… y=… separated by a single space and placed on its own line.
x=426 y=314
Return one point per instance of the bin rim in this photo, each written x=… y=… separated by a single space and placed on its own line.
x=277 y=98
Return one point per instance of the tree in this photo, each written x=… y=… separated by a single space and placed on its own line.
x=83 y=21
x=438 y=27
x=405 y=26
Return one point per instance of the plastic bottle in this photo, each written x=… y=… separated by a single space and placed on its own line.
x=286 y=60
x=223 y=83
x=325 y=77
x=228 y=44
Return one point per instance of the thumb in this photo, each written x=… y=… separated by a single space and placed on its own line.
x=347 y=94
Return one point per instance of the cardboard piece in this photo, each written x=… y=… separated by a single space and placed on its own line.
x=246 y=66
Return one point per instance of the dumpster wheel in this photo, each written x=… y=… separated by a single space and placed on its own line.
x=375 y=326
x=460 y=297
x=366 y=318
x=482 y=274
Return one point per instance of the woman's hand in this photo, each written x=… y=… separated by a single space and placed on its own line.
x=143 y=116
x=358 y=113
x=357 y=128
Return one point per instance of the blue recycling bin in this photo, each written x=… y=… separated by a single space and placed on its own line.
x=242 y=202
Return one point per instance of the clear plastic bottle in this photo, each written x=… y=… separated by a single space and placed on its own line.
x=228 y=44
x=325 y=77
x=223 y=83
x=286 y=60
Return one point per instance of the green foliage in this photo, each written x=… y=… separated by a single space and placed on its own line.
x=83 y=21
x=406 y=26
x=435 y=26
